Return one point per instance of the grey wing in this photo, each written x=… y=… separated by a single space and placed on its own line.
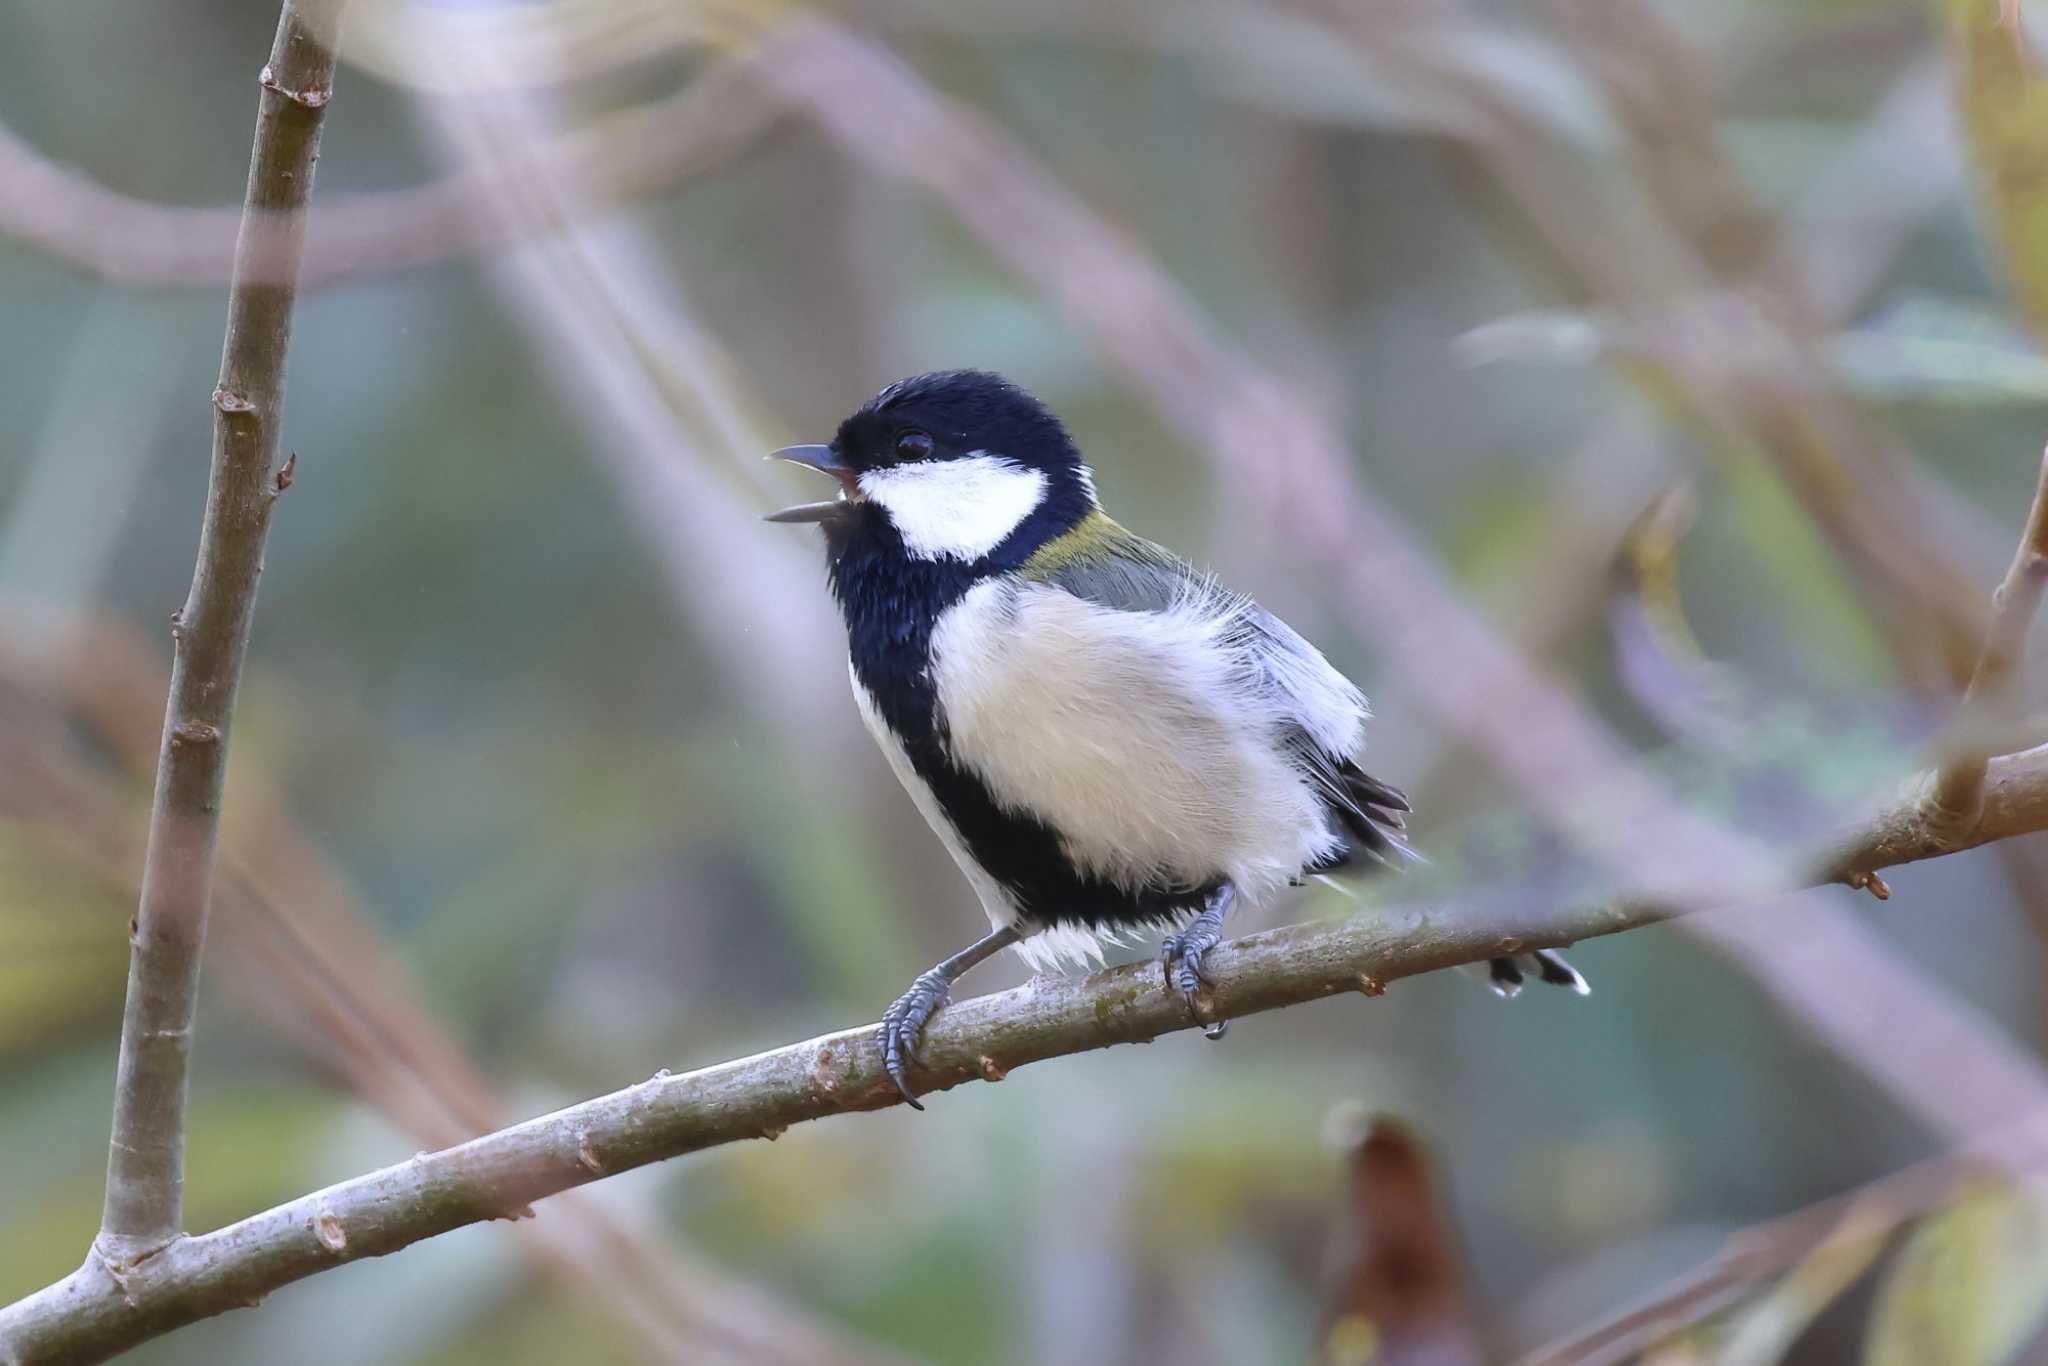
x=1136 y=576
x=1319 y=712
x=1325 y=734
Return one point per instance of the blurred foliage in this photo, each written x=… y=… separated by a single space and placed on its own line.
x=62 y=954
x=1761 y=1333
x=487 y=721
x=2004 y=102
x=1971 y=1283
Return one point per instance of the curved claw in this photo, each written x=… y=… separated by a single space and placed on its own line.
x=893 y=1051
x=1192 y=979
x=902 y=1025
x=911 y=1044
x=1183 y=956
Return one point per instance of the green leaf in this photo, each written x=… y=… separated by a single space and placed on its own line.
x=1969 y=1286
x=2004 y=99
x=63 y=937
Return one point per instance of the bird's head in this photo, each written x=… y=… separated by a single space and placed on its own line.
x=957 y=465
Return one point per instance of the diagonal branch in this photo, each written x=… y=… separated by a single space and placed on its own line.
x=1956 y=800
x=633 y=154
x=1758 y=1252
x=98 y=1311
x=146 y=1163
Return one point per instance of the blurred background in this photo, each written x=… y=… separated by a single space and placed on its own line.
x=1667 y=367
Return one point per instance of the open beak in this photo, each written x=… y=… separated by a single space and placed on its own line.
x=819 y=458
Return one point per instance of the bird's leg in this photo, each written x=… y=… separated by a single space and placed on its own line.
x=903 y=1022
x=1182 y=954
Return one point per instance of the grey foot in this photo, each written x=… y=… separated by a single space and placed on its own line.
x=1182 y=956
x=903 y=1024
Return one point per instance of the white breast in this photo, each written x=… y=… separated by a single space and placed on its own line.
x=1149 y=740
x=1046 y=947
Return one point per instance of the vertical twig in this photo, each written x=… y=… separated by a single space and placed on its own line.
x=1955 y=801
x=146 y=1162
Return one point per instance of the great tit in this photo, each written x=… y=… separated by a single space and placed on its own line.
x=1104 y=739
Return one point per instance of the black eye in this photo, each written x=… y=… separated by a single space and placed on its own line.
x=913 y=446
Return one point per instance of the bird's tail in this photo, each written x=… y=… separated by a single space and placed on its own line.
x=1373 y=815
x=1506 y=975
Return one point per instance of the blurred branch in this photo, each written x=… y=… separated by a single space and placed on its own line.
x=1836 y=243
x=1840 y=254
x=543 y=44
x=300 y=945
x=146 y=1165
x=1655 y=653
x=624 y=156
x=1746 y=365
x=100 y=1310
x=1751 y=1255
x=1957 y=796
x=657 y=390
x=1662 y=100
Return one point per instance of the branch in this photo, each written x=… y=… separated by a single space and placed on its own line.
x=304 y=952
x=1956 y=799
x=1753 y=1254
x=666 y=406
x=146 y=1165
x=630 y=155
x=102 y=1309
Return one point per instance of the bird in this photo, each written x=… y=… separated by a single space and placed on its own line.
x=1106 y=740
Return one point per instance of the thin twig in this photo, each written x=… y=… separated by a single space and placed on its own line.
x=629 y=155
x=1754 y=373
x=1956 y=798
x=1753 y=1254
x=302 y=949
x=145 y=1169
x=667 y=407
x=92 y=1314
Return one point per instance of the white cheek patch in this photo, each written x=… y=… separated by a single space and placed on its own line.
x=960 y=509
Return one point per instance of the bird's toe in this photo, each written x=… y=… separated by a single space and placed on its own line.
x=894 y=1052
x=1169 y=954
x=1184 y=956
x=903 y=1026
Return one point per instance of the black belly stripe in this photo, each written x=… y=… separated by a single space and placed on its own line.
x=891 y=602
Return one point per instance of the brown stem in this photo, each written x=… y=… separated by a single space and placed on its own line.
x=1956 y=799
x=304 y=953
x=104 y=1308
x=1754 y=1254
x=145 y=1168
